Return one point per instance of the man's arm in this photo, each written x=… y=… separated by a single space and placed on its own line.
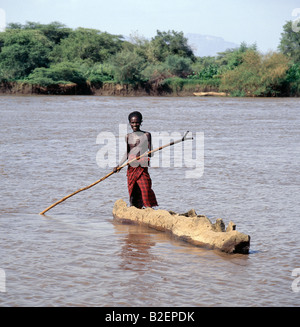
x=125 y=156
x=149 y=137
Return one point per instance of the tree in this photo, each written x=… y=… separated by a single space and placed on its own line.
x=22 y=51
x=169 y=43
x=257 y=75
x=86 y=45
x=98 y=73
x=178 y=66
x=155 y=73
x=231 y=58
x=54 y=31
x=128 y=67
x=292 y=80
x=14 y=26
x=290 y=42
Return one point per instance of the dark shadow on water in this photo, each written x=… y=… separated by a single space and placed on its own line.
x=254 y=251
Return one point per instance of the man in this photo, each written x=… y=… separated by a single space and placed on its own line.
x=138 y=178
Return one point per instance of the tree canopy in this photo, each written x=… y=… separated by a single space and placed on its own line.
x=169 y=43
x=256 y=75
x=86 y=44
x=22 y=52
x=52 y=53
x=290 y=42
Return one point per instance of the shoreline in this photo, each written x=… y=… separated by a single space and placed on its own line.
x=111 y=89
x=105 y=89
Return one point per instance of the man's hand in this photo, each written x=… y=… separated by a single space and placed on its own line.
x=116 y=170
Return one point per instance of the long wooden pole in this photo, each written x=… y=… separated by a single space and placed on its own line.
x=118 y=168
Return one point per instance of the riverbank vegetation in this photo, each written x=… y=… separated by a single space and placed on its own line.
x=48 y=55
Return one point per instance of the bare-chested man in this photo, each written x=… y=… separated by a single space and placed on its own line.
x=138 y=178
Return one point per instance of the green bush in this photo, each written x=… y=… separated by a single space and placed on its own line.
x=174 y=83
x=206 y=73
x=178 y=66
x=292 y=80
x=62 y=73
x=98 y=73
x=128 y=67
x=258 y=75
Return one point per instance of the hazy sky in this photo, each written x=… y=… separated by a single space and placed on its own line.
x=236 y=21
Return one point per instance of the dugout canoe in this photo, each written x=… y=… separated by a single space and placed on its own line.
x=215 y=94
x=190 y=227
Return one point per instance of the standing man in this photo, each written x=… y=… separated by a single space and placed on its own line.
x=138 y=178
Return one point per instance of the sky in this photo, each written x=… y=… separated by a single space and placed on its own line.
x=251 y=21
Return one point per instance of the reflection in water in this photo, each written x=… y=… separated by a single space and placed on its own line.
x=135 y=251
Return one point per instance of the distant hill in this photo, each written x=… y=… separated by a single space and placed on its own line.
x=207 y=45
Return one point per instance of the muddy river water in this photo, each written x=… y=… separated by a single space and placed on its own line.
x=247 y=152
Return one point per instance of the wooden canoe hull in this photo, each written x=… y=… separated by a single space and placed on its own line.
x=197 y=230
x=215 y=94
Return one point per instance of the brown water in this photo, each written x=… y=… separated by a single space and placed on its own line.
x=78 y=256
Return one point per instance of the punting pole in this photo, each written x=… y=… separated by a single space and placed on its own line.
x=118 y=168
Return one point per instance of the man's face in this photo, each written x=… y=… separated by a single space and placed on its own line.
x=135 y=123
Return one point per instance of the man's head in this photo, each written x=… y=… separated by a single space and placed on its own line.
x=136 y=114
x=135 y=120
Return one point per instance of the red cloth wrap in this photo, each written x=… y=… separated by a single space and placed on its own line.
x=140 y=186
